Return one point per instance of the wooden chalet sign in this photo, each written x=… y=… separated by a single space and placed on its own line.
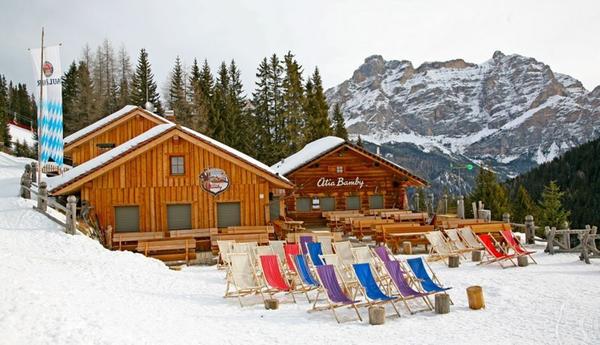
x=214 y=180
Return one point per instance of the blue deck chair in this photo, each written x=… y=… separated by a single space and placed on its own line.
x=428 y=283
x=371 y=290
x=307 y=281
x=315 y=251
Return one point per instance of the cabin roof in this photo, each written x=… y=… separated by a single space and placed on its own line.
x=126 y=110
x=79 y=172
x=322 y=147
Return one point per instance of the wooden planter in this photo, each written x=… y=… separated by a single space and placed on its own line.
x=475 y=295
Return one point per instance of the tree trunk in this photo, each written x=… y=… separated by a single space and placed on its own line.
x=442 y=303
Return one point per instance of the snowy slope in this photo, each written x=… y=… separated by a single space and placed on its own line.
x=61 y=289
x=21 y=135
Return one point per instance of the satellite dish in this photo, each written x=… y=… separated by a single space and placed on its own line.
x=149 y=106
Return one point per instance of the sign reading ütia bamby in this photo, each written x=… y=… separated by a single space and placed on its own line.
x=340 y=182
x=214 y=180
x=51 y=112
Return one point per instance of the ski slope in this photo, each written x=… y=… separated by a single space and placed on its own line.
x=61 y=289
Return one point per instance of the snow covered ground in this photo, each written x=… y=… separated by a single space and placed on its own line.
x=61 y=289
x=21 y=135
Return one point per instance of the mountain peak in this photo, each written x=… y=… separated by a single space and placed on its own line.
x=498 y=55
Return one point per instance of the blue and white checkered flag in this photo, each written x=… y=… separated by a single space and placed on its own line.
x=50 y=119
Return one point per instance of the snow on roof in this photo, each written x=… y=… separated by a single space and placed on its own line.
x=106 y=120
x=309 y=152
x=21 y=135
x=97 y=162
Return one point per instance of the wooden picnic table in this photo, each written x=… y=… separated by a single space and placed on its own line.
x=397 y=239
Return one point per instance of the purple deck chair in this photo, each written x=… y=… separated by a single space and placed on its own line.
x=406 y=292
x=303 y=241
x=383 y=254
x=335 y=295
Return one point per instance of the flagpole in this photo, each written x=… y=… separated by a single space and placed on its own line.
x=40 y=114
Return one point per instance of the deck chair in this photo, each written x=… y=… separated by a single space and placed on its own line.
x=291 y=250
x=263 y=250
x=383 y=254
x=362 y=255
x=325 y=244
x=273 y=276
x=493 y=254
x=225 y=247
x=336 y=298
x=303 y=241
x=456 y=242
x=439 y=246
x=429 y=283
x=243 y=277
x=344 y=252
x=278 y=249
x=246 y=247
x=314 y=250
x=469 y=237
x=509 y=237
x=401 y=284
x=306 y=280
x=344 y=272
x=370 y=288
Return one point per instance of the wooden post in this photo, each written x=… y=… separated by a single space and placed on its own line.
x=26 y=183
x=442 y=303
x=34 y=172
x=71 y=215
x=42 y=201
x=475 y=295
x=476 y=255
x=271 y=304
x=376 y=315
x=506 y=217
x=475 y=213
x=529 y=229
x=522 y=261
x=550 y=239
x=416 y=206
x=453 y=261
x=407 y=247
x=445 y=197
x=460 y=209
x=109 y=236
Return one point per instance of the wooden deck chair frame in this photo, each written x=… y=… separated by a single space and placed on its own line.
x=222 y=262
x=404 y=299
x=331 y=305
x=457 y=242
x=344 y=247
x=242 y=292
x=492 y=259
x=299 y=284
x=278 y=249
x=370 y=302
x=471 y=240
x=511 y=246
x=438 y=246
x=326 y=244
x=272 y=291
x=344 y=274
x=431 y=273
x=263 y=250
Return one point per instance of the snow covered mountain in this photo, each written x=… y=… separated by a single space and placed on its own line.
x=510 y=113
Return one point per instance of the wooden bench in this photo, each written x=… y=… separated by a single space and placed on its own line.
x=378 y=211
x=492 y=228
x=294 y=237
x=129 y=240
x=411 y=217
x=362 y=227
x=388 y=234
x=459 y=223
x=253 y=233
x=202 y=236
x=392 y=214
x=251 y=229
x=169 y=249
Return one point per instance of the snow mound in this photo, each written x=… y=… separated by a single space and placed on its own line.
x=21 y=135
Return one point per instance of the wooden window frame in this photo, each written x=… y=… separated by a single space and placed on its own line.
x=171 y=157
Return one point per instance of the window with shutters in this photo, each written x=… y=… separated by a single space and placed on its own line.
x=179 y=216
x=327 y=203
x=353 y=203
x=177 y=165
x=228 y=214
x=303 y=204
x=127 y=218
x=375 y=201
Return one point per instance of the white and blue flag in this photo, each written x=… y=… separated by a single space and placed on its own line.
x=50 y=121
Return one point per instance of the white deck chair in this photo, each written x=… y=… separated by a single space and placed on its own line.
x=243 y=277
x=225 y=248
x=439 y=246
x=325 y=244
x=246 y=247
x=262 y=250
x=457 y=242
x=344 y=251
x=467 y=235
x=278 y=249
x=362 y=255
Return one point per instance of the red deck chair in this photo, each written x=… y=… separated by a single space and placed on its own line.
x=273 y=276
x=509 y=237
x=291 y=250
x=496 y=256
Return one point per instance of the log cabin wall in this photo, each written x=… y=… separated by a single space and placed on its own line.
x=119 y=132
x=376 y=178
x=146 y=181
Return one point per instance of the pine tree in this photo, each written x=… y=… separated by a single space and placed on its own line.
x=293 y=102
x=84 y=109
x=318 y=125
x=551 y=211
x=261 y=101
x=104 y=77
x=276 y=107
x=493 y=195
x=522 y=205
x=200 y=90
x=240 y=130
x=219 y=117
x=4 y=116
x=143 y=83
x=69 y=96
x=124 y=72
x=359 y=142
x=177 y=95
x=339 y=127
